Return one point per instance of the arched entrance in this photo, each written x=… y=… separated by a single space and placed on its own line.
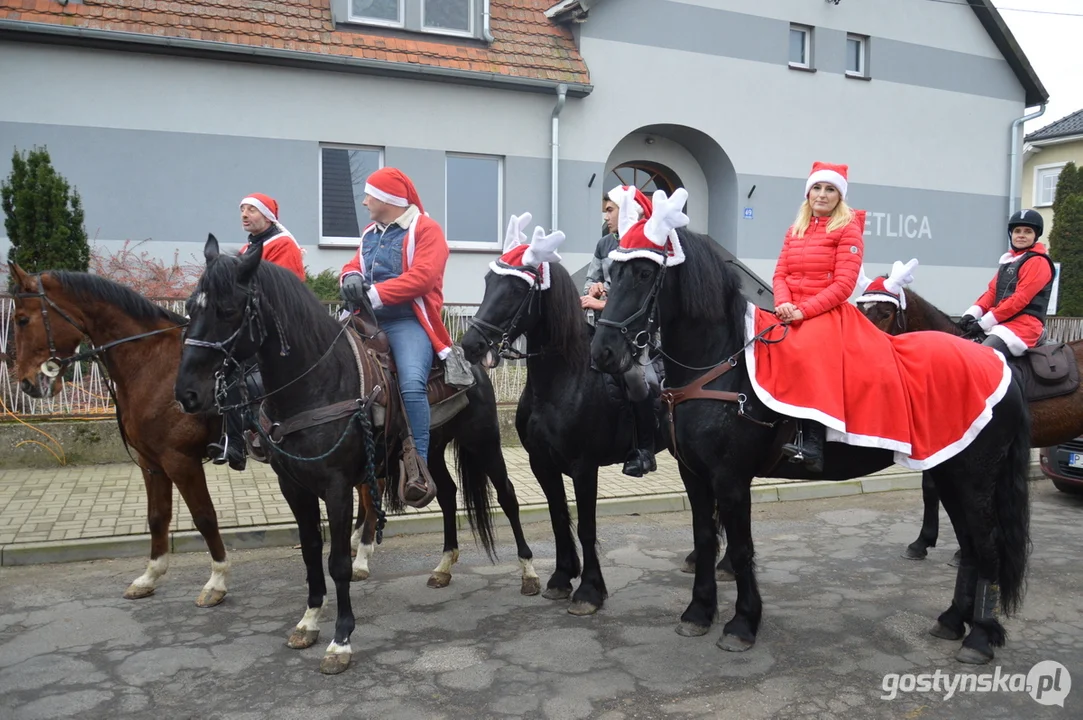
x=645 y=175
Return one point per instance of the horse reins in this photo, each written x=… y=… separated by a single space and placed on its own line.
x=504 y=347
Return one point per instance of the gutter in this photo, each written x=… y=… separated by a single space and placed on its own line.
x=1016 y=170
x=486 y=33
x=186 y=47
x=562 y=94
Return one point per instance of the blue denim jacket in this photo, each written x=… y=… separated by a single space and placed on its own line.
x=381 y=251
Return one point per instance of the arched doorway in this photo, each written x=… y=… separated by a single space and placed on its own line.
x=645 y=175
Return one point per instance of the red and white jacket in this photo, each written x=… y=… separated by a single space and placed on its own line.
x=1023 y=331
x=281 y=249
x=424 y=257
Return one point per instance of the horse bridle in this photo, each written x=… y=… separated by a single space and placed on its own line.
x=55 y=364
x=504 y=347
x=642 y=339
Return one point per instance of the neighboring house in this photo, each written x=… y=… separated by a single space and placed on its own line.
x=165 y=114
x=1047 y=151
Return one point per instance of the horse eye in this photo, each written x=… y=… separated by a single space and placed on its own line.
x=22 y=322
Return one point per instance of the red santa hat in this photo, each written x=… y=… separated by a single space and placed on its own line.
x=826 y=172
x=528 y=261
x=641 y=204
x=888 y=289
x=266 y=205
x=654 y=236
x=392 y=186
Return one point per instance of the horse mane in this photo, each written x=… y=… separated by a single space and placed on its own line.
x=563 y=323
x=87 y=288
x=291 y=298
x=710 y=289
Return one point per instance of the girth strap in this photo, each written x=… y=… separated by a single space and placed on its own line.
x=312 y=418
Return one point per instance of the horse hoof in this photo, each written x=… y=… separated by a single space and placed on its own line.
x=360 y=575
x=944 y=632
x=956 y=558
x=531 y=586
x=913 y=553
x=137 y=592
x=732 y=643
x=439 y=580
x=970 y=656
x=301 y=639
x=724 y=576
x=334 y=663
x=687 y=629
x=210 y=597
x=688 y=567
x=582 y=608
x=557 y=593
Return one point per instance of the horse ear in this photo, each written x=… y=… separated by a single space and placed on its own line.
x=210 y=250
x=249 y=263
x=19 y=275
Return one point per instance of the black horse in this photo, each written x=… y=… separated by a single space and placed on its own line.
x=721 y=446
x=243 y=308
x=571 y=419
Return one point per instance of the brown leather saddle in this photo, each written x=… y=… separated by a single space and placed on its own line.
x=380 y=395
x=1047 y=371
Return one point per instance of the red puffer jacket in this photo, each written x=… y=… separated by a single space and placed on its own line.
x=818 y=272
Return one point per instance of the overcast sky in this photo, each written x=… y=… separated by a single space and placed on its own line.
x=1050 y=42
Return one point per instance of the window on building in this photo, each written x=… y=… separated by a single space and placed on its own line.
x=448 y=16
x=800 y=46
x=1045 y=184
x=377 y=12
x=474 y=193
x=343 y=171
x=856 y=49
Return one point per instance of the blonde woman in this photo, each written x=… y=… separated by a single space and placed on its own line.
x=816 y=273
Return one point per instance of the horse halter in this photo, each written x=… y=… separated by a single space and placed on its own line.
x=642 y=339
x=504 y=347
x=55 y=365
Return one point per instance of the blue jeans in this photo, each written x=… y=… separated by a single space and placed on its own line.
x=412 y=351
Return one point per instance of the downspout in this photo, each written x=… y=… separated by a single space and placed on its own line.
x=486 y=34
x=1016 y=170
x=562 y=95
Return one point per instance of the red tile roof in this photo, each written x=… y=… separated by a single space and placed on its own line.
x=528 y=45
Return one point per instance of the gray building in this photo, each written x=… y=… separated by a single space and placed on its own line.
x=165 y=114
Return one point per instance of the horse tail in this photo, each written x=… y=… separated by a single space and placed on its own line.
x=474 y=482
x=1013 y=513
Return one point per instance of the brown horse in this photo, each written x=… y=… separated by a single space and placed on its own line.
x=139 y=345
x=1053 y=421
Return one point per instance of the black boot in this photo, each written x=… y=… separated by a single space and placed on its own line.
x=231 y=447
x=808 y=448
x=641 y=459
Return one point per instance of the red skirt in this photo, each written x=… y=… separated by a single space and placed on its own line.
x=923 y=395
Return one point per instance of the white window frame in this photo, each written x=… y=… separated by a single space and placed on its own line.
x=806 y=30
x=498 y=243
x=335 y=241
x=446 y=31
x=862 y=54
x=361 y=19
x=1039 y=170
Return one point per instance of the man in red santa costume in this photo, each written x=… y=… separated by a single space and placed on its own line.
x=399 y=268
x=1011 y=312
x=259 y=218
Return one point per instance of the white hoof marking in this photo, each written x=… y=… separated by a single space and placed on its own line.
x=448 y=559
x=361 y=561
x=311 y=619
x=219 y=575
x=155 y=569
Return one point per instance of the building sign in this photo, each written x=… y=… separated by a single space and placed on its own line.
x=897 y=225
x=748 y=213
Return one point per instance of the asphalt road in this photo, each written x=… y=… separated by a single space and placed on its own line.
x=842 y=610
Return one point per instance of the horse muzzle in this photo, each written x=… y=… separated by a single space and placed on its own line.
x=42 y=385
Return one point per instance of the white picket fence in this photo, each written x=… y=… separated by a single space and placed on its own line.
x=86 y=393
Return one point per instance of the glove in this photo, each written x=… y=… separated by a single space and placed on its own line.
x=354 y=291
x=968 y=324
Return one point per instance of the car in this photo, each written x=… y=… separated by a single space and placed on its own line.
x=1063 y=464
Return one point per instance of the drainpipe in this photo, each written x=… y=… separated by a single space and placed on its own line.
x=562 y=94
x=1016 y=171
x=486 y=34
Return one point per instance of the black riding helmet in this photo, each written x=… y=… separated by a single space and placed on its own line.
x=1026 y=218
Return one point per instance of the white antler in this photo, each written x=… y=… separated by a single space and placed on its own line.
x=629 y=212
x=543 y=248
x=900 y=276
x=666 y=216
x=863 y=280
x=516 y=234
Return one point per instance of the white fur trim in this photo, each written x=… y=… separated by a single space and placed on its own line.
x=546 y=277
x=386 y=197
x=974 y=311
x=827 y=176
x=263 y=209
x=1015 y=346
x=836 y=429
x=374 y=298
x=658 y=256
x=988 y=321
x=876 y=297
x=1007 y=258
